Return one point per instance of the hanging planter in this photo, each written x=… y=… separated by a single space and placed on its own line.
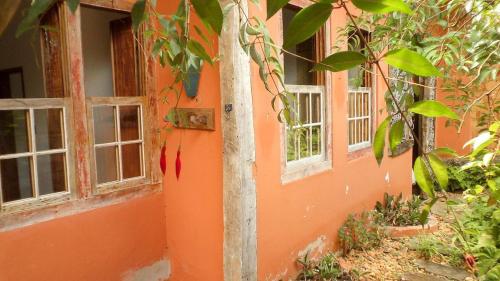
x=192 y=83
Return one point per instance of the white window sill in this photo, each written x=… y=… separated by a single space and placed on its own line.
x=298 y=170
x=358 y=146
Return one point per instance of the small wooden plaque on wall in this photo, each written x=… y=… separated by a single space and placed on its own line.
x=195 y=118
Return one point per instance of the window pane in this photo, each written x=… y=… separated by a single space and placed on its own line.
x=304 y=108
x=109 y=53
x=316 y=140
x=316 y=107
x=14 y=131
x=106 y=164
x=131 y=160
x=51 y=173
x=366 y=102
x=304 y=142
x=16 y=179
x=129 y=123
x=291 y=142
x=359 y=104
x=351 y=104
x=104 y=124
x=297 y=71
x=292 y=98
x=351 y=131
x=367 y=130
x=49 y=129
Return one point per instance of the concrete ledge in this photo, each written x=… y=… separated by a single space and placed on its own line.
x=412 y=230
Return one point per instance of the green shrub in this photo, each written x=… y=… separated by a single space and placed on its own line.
x=481 y=238
x=360 y=232
x=395 y=211
x=325 y=269
x=460 y=180
x=428 y=247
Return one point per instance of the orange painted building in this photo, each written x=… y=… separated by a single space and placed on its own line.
x=83 y=197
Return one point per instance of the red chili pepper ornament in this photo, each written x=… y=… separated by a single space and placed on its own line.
x=178 y=163
x=163 y=159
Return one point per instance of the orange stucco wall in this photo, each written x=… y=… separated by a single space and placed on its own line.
x=193 y=204
x=290 y=217
x=103 y=244
x=449 y=136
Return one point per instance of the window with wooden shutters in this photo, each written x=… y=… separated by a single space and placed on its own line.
x=359 y=98
x=115 y=105
x=306 y=142
x=34 y=154
x=73 y=113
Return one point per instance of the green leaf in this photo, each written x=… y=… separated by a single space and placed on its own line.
x=412 y=62
x=38 y=8
x=138 y=13
x=340 y=61
x=73 y=5
x=196 y=48
x=382 y=6
x=440 y=170
x=210 y=13
x=379 y=140
x=273 y=6
x=396 y=134
x=423 y=178
x=424 y=215
x=430 y=108
x=306 y=23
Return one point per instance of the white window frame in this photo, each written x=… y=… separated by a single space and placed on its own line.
x=31 y=105
x=296 y=170
x=366 y=115
x=307 y=90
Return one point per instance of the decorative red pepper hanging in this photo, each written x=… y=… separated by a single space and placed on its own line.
x=178 y=163
x=163 y=159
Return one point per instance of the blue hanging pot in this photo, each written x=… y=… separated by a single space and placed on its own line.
x=192 y=83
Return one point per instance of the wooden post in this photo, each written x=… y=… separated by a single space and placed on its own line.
x=239 y=189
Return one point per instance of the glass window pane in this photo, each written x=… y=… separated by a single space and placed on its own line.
x=359 y=104
x=129 y=123
x=350 y=101
x=49 y=129
x=367 y=130
x=292 y=98
x=51 y=173
x=304 y=143
x=351 y=131
x=106 y=164
x=316 y=140
x=304 y=108
x=316 y=107
x=14 y=131
x=104 y=124
x=297 y=71
x=291 y=142
x=366 y=102
x=131 y=160
x=16 y=179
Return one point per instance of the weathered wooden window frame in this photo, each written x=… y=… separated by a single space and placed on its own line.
x=82 y=195
x=305 y=167
x=116 y=102
x=30 y=105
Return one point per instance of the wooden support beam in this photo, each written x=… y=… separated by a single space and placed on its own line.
x=239 y=189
